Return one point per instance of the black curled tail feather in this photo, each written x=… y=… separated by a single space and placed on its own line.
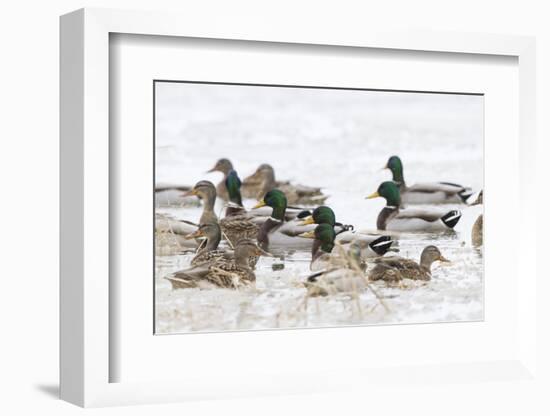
x=451 y=218
x=465 y=195
x=381 y=245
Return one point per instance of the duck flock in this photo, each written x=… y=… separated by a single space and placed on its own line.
x=290 y=217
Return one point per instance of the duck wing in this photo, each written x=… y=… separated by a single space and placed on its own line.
x=423 y=214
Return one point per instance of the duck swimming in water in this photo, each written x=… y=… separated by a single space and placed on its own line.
x=426 y=193
x=395 y=269
x=221 y=271
x=263 y=180
x=371 y=245
x=392 y=218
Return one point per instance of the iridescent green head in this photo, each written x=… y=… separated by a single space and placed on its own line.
x=233 y=185
x=325 y=235
x=396 y=167
x=321 y=215
x=324 y=215
x=276 y=200
x=390 y=192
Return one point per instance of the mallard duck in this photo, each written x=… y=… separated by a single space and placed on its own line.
x=342 y=271
x=322 y=255
x=395 y=269
x=237 y=224
x=392 y=218
x=371 y=245
x=208 y=250
x=275 y=233
x=234 y=227
x=477 y=228
x=426 y=193
x=224 y=166
x=263 y=180
x=205 y=191
x=221 y=272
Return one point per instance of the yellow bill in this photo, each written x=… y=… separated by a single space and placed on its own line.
x=259 y=204
x=373 y=195
x=308 y=220
x=309 y=234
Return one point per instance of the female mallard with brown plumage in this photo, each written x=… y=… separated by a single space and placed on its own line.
x=234 y=227
x=263 y=180
x=224 y=166
x=237 y=224
x=370 y=245
x=221 y=272
x=209 y=250
x=395 y=269
x=426 y=193
x=477 y=229
x=392 y=218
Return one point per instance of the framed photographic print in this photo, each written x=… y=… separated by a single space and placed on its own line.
x=232 y=199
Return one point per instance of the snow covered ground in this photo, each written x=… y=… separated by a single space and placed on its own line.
x=338 y=140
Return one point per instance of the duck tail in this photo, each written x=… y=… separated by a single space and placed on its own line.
x=465 y=195
x=381 y=245
x=451 y=218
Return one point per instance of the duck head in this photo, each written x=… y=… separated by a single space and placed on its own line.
x=324 y=236
x=210 y=231
x=395 y=165
x=276 y=200
x=246 y=248
x=321 y=215
x=233 y=185
x=390 y=192
x=204 y=190
x=222 y=165
x=431 y=254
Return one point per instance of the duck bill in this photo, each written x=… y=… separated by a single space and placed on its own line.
x=190 y=192
x=307 y=220
x=309 y=234
x=259 y=205
x=444 y=260
x=211 y=170
x=373 y=195
x=196 y=234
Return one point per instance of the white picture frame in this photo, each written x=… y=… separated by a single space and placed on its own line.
x=85 y=220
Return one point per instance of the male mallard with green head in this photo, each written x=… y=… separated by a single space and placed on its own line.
x=371 y=245
x=341 y=269
x=224 y=166
x=263 y=180
x=392 y=218
x=275 y=233
x=221 y=272
x=395 y=269
x=426 y=193
x=322 y=254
